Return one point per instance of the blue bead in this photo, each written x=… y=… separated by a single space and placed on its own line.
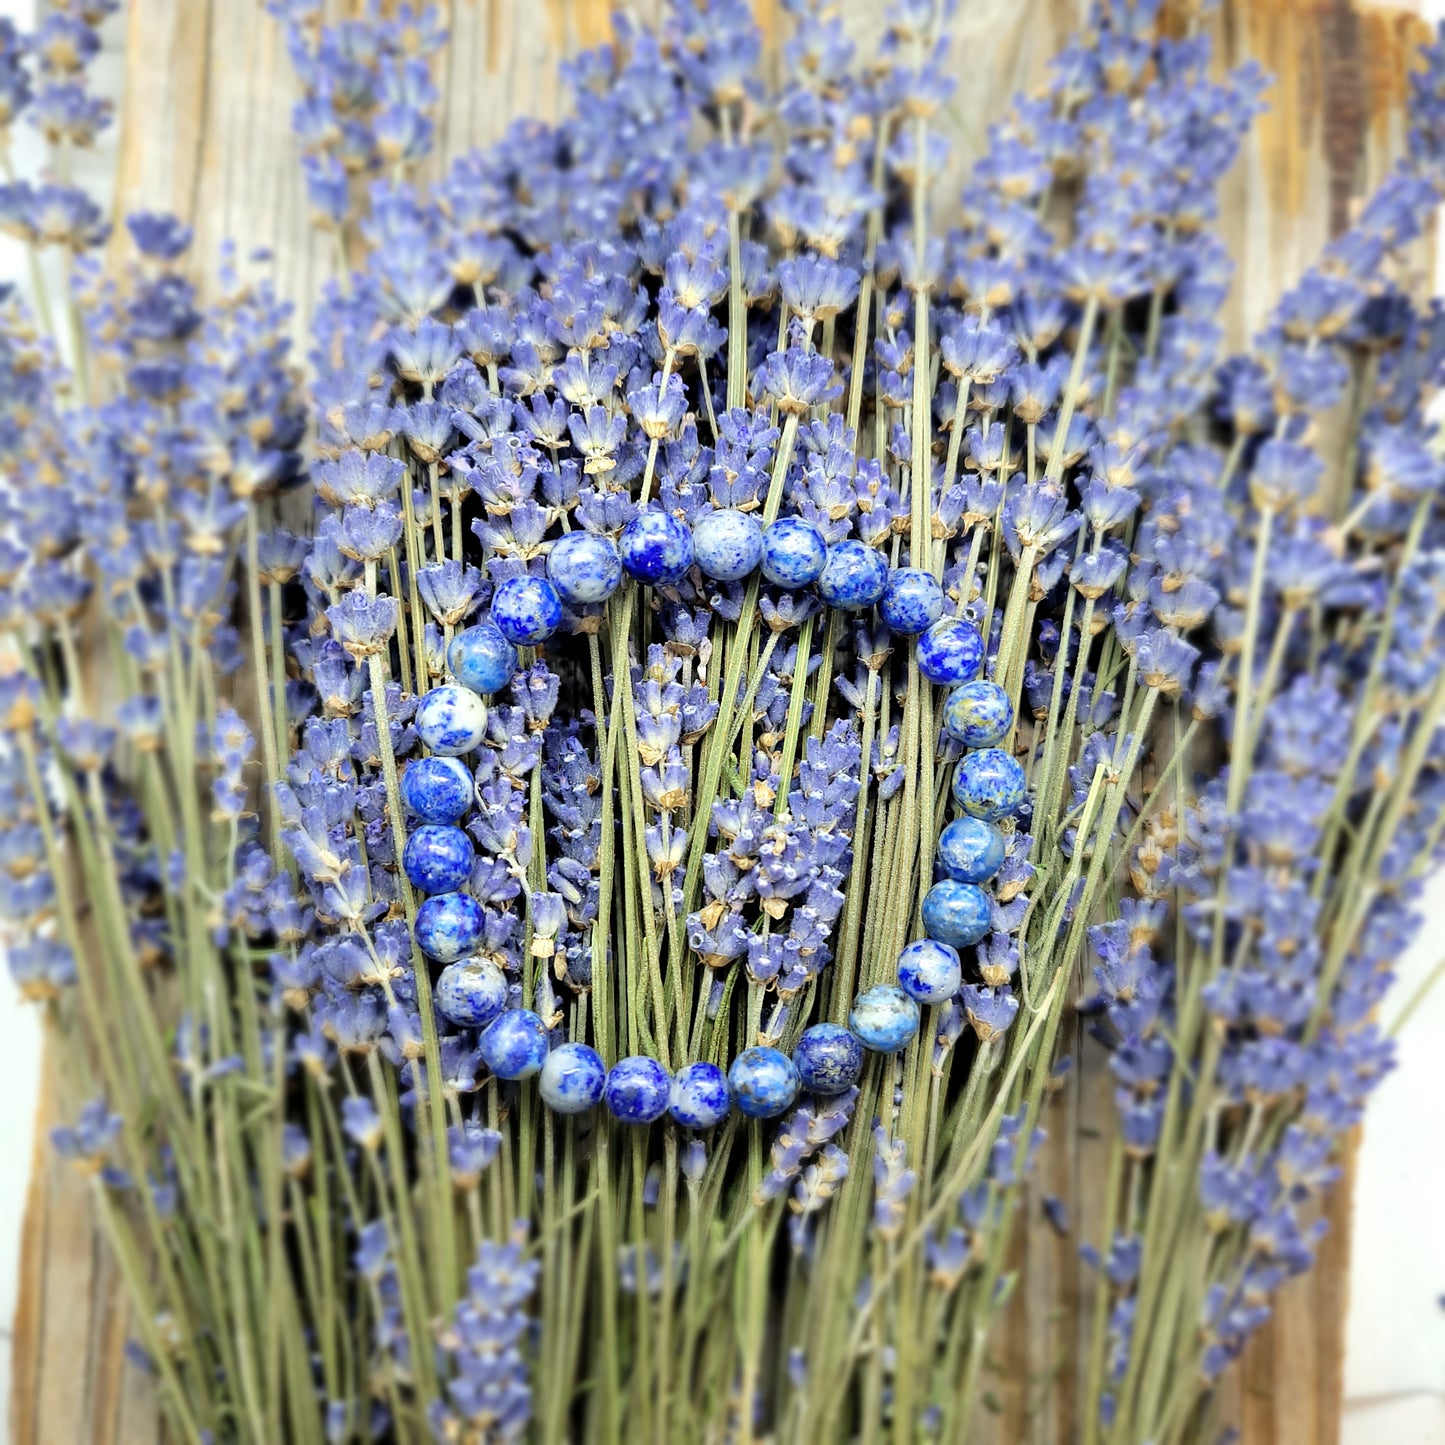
x=527 y=609
x=853 y=577
x=437 y=790
x=989 y=784
x=438 y=859
x=637 y=1090
x=728 y=544
x=884 y=1018
x=448 y=926
x=978 y=714
x=514 y=1044
x=912 y=601
x=958 y=914
x=930 y=971
x=764 y=1082
x=971 y=850
x=793 y=553
x=950 y=651
x=471 y=993
x=656 y=548
x=699 y=1097
x=572 y=1079
x=481 y=658
x=829 y=1059
x=451 y=720
x=584 y=567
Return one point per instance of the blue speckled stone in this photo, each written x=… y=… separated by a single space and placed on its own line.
x=437 y=790
x=514 y=1044
x=527 y=609
x=793 y=553
x=637 y=1090
x=950 y=651
x=584 y=567
x=957 y=914
x=764 y=1082
x=829 y=1059
x=699 y=1097
x=853 y=577
x=471 y=993
x=656 y=548
x=438 y=859
x=912 y=601
x=929 y=971
x=971 y=850
x=448 y=926
x=728 y=544
x=978 y=713
x=883 y=1018
x=572 y=1079
x=451 y=720
x=481 y=658
x=989 y=784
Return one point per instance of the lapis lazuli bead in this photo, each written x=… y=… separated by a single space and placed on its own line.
x=989 y=784
x=929 y=971
x=448 y=926
x=451 y=720
x=438 y=859
x=514 y=1044
x=978 y=714
x=958 y=914
x=853 y=577
x=699 y=1096
x=829 y=1059
x=656 y=547
x=764 y=1082
x=912 y=601
x=584 y=567
x=950 y=651
x=637 y=1090
x=728 y=544
x=794 y=552
x=471 y=993
x=437 y=790
x=481 y=658
x=572 y=1079
x=971 y=850
x=527 y=609
x=884 y=1019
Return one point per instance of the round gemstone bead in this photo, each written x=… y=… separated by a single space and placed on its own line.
x=438 y=859
x=884 y=1018
x=637 y=1090
x=971 y=850
x=572 y=1079
x=481 y=658
x=527 y=609
x=912 y=601
x=853 y=577
x=699 y=1096
x=950 y=651
x=584 y=567
x=958 y=914
x=989 y=784
x=451 y=720
x=514 y=1044
x=764 y=1082
x=728 y=544
x=829 y=1059
x=929 y=971
x=793 y=553
x=471 y=993
x=656 y=548
x=978 y=713
x=448 y=926
x=437 y=790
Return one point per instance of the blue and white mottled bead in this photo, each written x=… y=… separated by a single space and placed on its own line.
x=656 y=548
x=958 y=914
x=728 y=544
x=572 y=1079
x=437 y=790
x=448 y=926
x=950 y=651
x=884 y=1018
x=829 y=1059
x=481 y=658
x=584 y=567
x=471 y=993
x=977 y=714
x=699 y=1096
x=929 y=971
x=853 y=577
x=794 y=552
x=971 y=850
x=438 y=858
x=527 y=609
x=912 y=601
x=637 y=1090
x=451 y=720
x=764 y=1082
x=514 y=1044
x=989 y=784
